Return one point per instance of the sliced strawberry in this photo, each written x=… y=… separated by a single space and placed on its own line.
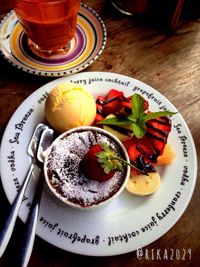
x=100 y=102
x=113 y=93
x=146 y=148
x=113 y=101
x=158 y=144
x=133 y=153
x=138 y=156
x=146 y=104
x=99 y=109
x=131 y=147
x=127 y=103
x=157 y=133
x=126 y=108
x=144 y=152
x=162 y=123
x=92 y=168
x=116 y=103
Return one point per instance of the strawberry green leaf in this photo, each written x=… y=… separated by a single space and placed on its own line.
x=119 y=166
x=110 y=161
x=107 y=159
x=108 y=167
x=105 y=147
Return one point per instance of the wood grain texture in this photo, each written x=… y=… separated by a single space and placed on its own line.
x=167 y=61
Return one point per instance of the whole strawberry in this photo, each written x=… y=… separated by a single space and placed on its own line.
x=100 y=163
x=92 y=168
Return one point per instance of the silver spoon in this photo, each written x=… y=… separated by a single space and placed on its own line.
x=9 y=223
x=28 y=235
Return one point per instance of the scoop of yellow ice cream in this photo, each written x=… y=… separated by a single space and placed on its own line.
x=69 y=105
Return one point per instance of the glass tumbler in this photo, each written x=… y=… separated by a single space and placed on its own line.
x=49 y=24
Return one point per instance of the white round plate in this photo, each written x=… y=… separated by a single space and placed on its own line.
x=128 y=222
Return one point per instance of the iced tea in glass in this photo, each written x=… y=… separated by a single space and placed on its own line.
x=49 y=24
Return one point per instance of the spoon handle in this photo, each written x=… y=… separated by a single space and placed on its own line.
x=9 y=223
x=28 y=236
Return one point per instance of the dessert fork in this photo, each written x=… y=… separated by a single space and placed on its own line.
x=28 y=235
x=8 y=226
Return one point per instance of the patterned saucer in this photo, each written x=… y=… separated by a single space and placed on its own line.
x=86 y=46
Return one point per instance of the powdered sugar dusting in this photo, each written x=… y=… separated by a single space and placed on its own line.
x=66 y=177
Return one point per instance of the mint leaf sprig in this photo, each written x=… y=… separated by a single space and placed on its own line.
x=136 y=121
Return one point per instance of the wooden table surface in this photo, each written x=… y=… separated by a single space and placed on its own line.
x=167 y=61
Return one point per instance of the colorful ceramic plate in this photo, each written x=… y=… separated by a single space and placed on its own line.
x=128 y=222
x=86 y=46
